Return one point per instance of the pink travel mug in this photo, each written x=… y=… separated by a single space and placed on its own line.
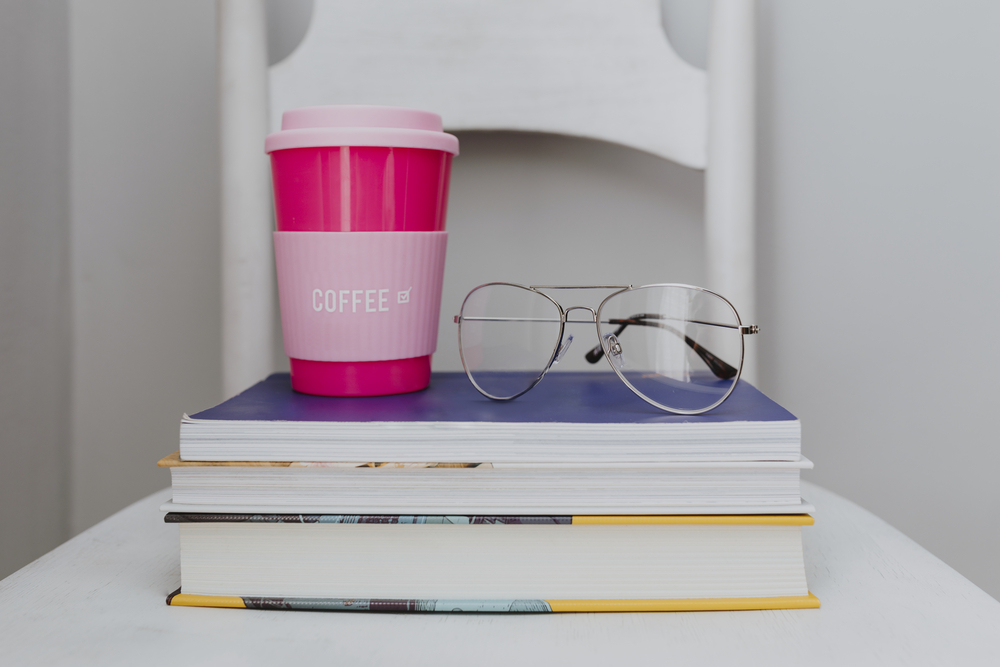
x=360 y=197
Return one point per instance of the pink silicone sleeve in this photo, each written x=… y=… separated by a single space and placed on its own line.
x=359 y=296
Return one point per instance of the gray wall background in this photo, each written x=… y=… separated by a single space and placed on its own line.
x=35 y=318
x=878 y=212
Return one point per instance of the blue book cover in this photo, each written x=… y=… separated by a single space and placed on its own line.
x=567 y=397
x=568 y=417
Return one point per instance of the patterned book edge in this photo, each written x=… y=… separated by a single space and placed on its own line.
x=465 y=520
x=533 y=520
x=178 y=599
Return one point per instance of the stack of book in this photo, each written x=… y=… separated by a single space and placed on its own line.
x=575 y=497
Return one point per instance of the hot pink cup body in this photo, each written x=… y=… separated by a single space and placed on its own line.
x=360 y=189
x=343 y=189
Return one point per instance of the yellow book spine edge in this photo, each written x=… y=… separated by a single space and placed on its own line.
x=809 y=601
x=698 y=519
x=185 y=600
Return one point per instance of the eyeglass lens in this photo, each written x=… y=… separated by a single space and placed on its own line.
x=507 y=337
x=677 y=346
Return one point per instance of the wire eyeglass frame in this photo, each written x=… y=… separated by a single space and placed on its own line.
x=603 y=348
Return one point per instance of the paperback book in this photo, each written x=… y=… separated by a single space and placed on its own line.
x=744 y=487
x=578 y=417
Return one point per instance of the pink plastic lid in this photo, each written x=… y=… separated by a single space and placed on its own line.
x=361 y=126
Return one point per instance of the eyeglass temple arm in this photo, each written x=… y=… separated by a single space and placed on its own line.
x=719 y=368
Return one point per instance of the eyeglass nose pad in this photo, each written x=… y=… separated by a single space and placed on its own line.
x=614 y=349
x=562 y=349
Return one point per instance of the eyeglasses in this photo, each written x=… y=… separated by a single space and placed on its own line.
x=677 y=347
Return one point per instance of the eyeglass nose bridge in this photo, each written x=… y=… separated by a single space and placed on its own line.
x=593 y=313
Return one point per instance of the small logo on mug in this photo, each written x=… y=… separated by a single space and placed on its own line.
x=403 y=297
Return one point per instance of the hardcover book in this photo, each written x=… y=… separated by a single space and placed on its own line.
x=492 y=564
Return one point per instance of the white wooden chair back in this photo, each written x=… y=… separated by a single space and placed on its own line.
x=586 y=68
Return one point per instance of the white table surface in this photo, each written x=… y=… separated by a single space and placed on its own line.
x=99 y=599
